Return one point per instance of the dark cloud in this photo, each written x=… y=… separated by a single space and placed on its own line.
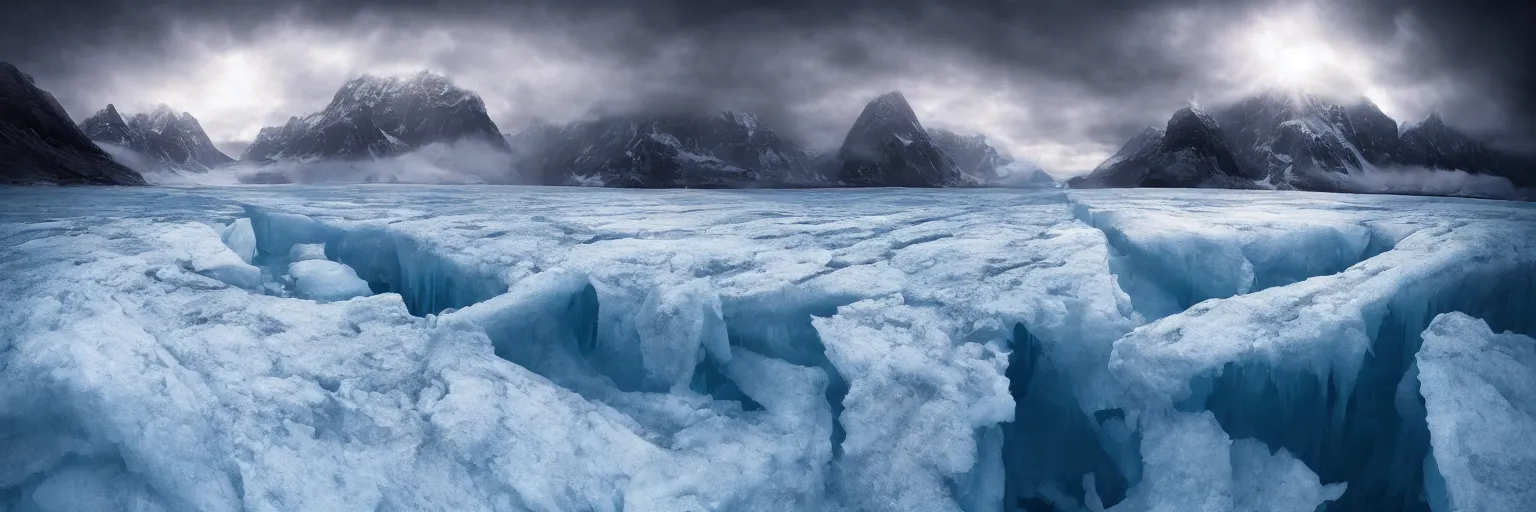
x=1061 y=81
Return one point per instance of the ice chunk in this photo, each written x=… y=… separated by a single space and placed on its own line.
x=677 y=326
x=1187 y=466
x=1169 y=261
x=922 y=412
x=327 y=281
x=241 y=239
x=1191 y=465
x=208 y=257
x=1479 y=392
x=1275 y=482
x=301 y=252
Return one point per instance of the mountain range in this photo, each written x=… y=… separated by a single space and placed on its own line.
x=1276 y=140
x=1298 y=141
x=726 y=150
x=169 y=139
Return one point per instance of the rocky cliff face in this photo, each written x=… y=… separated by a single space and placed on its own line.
x=1431 y=143
x=726 y=150
x=888 y=147
x=1299 y=141
x=372 y=117
x=39 y=143
x=174 y=140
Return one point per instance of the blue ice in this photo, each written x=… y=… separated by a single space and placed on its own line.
x=508 y=348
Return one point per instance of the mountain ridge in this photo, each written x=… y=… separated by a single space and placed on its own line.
x=39 y=144
x=172 y=139
x=373 y=117
x=1293 y=140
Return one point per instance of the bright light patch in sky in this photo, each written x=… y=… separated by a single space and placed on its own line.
x=1293 y=46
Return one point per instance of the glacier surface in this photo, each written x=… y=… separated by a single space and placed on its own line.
x=507 y=348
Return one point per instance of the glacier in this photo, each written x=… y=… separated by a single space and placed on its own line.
x=395 y=347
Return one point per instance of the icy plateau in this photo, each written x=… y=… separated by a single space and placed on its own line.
x=554 y=349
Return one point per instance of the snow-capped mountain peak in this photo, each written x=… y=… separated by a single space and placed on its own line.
x=887 y=146
x=164 y=136
x=375 y=116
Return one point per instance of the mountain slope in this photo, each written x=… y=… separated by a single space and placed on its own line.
x=372 y=117
x=726 y=150
x=39 y=143
x=1190 y=152
x=976 y=159
x=174 y=140
x=888 y=147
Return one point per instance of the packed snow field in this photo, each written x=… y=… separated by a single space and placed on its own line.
x=550 y=349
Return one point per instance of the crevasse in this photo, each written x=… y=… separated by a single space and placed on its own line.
x=1071 y=352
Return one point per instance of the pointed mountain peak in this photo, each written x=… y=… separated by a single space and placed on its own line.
x=106 y=115
x=887 y=146
x=373 y=116
x=1192 y=115
x=891 y=103
x=891 y=107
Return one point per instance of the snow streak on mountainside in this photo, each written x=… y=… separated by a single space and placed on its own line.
x=39 y=144
x=415 y=348
x=172 y=140
x=373 y=117
x=1292 y=140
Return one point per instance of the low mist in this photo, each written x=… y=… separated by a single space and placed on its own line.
x=1424 y=181
x=457 y=163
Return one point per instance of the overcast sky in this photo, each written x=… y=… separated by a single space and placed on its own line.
x=1060 y=82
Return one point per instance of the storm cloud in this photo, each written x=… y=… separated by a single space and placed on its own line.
x=1062 y=83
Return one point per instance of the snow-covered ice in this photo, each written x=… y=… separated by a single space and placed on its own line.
x=1479 y=388
x=326 y=280
x=509 y=348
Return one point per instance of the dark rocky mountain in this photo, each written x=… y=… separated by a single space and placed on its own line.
x=372 y=117
x=1190 y=152
x=39 y=144
x=888 y=147
x=1431 y=143
x=176 y=141
x=1299 y=141
x=727 y=150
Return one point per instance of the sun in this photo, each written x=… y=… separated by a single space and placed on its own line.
x=1290 y=51
x=1292 y=46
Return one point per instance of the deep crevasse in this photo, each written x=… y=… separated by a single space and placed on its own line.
x=923 y=357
